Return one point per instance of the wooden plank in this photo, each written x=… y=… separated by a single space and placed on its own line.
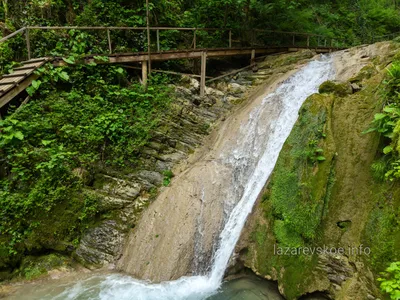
x=228 y=74
x=253 y=57
x=18 y=89
x=30 y=65
x=13 y=75
x=5 y=88
x=109 y=41
x=25 y=67
x=144 y=73
x=184 y=54
x=158 y=40
x=12 y=34
x=28 y=43
x=35 y=60
x=203 y=73
x=10 y=80
x=166 y=72
x=22 y=71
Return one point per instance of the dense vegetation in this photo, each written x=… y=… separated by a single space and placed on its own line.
x=348 y=21
x=80 y=118
x=387 y=123
x=84 y=118
x=352 y=19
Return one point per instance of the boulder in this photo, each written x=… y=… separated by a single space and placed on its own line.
x=338 y=88
x=100 y=245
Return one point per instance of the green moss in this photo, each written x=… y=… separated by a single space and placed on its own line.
x=287 y=59
x=33 y=267
x=335 y=202
x=298 y=185
x=340 y=89
x=382 y=232
x=365 y=73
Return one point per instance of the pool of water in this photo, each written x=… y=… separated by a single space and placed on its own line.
x=246 y=287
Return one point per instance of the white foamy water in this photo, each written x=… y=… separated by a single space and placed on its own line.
x=257 y=149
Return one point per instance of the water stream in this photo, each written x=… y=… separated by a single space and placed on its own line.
x=253 y=158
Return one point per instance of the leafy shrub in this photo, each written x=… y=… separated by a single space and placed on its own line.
x=79 y=117
x=387 y=124
x=390 y=283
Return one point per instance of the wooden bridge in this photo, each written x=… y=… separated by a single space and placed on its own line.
x=21 y=77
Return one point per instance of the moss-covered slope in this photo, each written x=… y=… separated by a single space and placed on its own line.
x=323 y=193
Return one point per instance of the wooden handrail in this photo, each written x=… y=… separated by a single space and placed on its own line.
x=108 y=30
x=166 y=28
x=12 y=34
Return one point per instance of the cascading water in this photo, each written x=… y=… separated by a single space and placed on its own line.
x=252 y=159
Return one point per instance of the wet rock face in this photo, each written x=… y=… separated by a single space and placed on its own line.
x=100 y=244
x=125 y=196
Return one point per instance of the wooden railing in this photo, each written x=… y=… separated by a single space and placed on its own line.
x=233 y=36
x=386 y=37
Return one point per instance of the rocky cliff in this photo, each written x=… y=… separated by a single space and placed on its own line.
x=322 y=193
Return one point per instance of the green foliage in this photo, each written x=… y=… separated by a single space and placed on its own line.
x=387 y=124
x=79 y=117
x=347 y=21
x=167 y=177
x=390 y=283
x=314 y=153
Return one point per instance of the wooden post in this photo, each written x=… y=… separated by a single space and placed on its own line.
x=230 y=38
x=28 y=43
x=318 y=42
x=308 y=41
x=194 y=39
x=144 y=73
x=293 y=40
x=109 y=41
x=148 y=34
x=203 y=73
x=158 y=40
x=325 y=43
x=253 y=57
x=331 y=43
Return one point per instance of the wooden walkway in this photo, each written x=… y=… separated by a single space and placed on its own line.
x=13 y=84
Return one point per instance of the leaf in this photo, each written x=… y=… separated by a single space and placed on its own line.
x=321 y=158
x=46 y=142
x=369 y=130
x=19 y=135
x=120 y=70
x=36 y=84
x=63 y=75
x=30 y=90
x=387 y=149
x=378 y=117
x=101 y=58
x=69 y=60
x=319 y=150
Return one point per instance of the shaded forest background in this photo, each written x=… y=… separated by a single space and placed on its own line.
x=353 y=20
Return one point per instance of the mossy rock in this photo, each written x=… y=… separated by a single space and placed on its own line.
x=340 y=89
x=35 y=266
x=365 y=73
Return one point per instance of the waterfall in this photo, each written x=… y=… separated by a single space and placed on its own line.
x=253 y=158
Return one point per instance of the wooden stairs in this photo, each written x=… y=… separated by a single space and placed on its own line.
x=13 y=84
